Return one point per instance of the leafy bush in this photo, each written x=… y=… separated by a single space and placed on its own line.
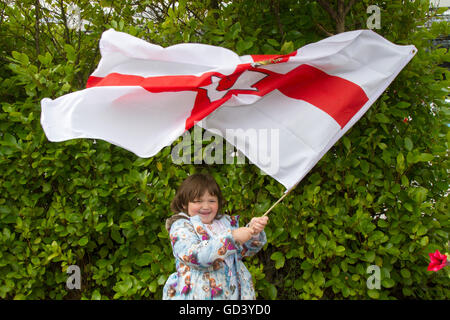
x=378 y=197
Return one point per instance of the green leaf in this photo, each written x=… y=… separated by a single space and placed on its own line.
x=15 y=55
x=235 y=30
x=425 y=157
x=323 y=240
x=279 y=259
x=217 y=38
x=144 y=259
x=310 y=239
x=53 y=255
x=100 y=226
x=153 y=286
x=278 y=231
x=118 y=167
x=408 y=206
x=405 y=181
x=46 y=59
x=262 y=207
x=306 y=265
x=400 y=162
x=420 y=194
x=424 y=241
x=382 y=118
x=272 y=292
x=273 y=42
x=123 y=286
x=296 y=231
x=115 y=235
x=370 y=256
x=340 y=249
x=388 y=283
x=287 y=47
x=373 y=293
x=402 y=105
x=422 y=230
x=408 y=144
x=162 y=279
x=441 y=10
x=96 y=295
x=276 y=256
x=347 y=142
x=355 y=277
x=335 y=270
x=405 y=273
x=242 y=45
x=279 y=263
x=318 y=278
x=21 y=57
x=386 y=156
x=83 y=241
x=70 y=51
x=8 y=140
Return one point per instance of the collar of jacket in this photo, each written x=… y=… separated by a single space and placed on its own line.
x=174 y=218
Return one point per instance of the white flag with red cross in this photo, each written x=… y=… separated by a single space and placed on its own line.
x=142 y=96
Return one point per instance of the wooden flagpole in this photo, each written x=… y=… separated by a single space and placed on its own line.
x=279 y=200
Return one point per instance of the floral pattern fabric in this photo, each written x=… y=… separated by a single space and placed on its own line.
x=209 y=262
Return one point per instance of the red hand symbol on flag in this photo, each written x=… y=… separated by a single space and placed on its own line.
x=339 y=98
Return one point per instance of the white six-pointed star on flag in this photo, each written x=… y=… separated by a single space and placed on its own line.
x=244 y=82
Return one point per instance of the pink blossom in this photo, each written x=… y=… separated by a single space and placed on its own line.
x=438 y=261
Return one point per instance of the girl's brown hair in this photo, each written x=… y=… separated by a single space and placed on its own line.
x=193 y=187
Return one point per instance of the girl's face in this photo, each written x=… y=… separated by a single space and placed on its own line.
x=206 y=207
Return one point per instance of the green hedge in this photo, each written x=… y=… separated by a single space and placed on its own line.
x=378 y=197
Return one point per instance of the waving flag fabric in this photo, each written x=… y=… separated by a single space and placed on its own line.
x=142 y=97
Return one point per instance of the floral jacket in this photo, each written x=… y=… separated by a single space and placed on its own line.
x=209 y=264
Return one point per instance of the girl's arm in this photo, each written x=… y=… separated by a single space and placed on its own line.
x=196 y=252
x=253 y=245
x=257 y=224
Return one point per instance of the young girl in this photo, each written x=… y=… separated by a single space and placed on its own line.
x=209 y=246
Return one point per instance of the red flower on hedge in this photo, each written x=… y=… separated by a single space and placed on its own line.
x=438 y=261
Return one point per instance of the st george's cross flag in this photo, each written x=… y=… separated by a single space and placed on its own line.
x=142 y=97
